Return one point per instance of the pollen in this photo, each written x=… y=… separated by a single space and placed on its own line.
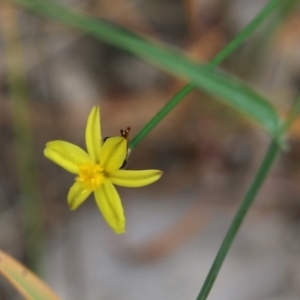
x=91 y=175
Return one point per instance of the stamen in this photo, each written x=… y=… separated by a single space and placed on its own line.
x=92 y=176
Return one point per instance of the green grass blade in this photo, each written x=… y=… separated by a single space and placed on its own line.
x=221 y=56
x=28 y=284
x=223 y=86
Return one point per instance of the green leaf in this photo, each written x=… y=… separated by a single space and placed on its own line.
x=28 y=284
x=225 y=87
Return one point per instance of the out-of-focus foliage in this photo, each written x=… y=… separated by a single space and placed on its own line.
x=28 y=284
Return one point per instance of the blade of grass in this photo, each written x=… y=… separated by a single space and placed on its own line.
x=229 y=89
x=28 y=284
x=219 y=58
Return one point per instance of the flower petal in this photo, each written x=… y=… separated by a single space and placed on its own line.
x=93 y=138
x=77 y=194
x=113 y=153
x=134 y=178
x=66 y=155
x=110 y=205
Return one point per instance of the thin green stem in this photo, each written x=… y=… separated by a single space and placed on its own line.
x=238 y=219
x=161 y=114
x=246 y=203
x=228 y=89
x=221 y=56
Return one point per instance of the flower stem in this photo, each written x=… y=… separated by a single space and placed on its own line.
x=238 y=219
x=221 y=56
x=258 y=180
x=161 y=114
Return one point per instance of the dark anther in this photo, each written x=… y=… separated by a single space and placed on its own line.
x=125 y=132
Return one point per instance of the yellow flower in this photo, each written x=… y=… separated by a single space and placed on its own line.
x=98 y=169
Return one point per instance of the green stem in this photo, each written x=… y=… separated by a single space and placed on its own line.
x=238 y=219
x=246 y=203
x=221 y=56
x=161 y=114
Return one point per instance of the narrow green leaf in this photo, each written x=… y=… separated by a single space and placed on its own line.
x=28 y=284
x=218 y=58
x=225 y=87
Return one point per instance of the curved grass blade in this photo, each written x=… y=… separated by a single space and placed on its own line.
x=28 y=284
x=227 y=88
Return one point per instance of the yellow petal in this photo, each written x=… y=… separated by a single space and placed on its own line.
x=113 y=153
x=134 y=178
x=77 y=194
x=93 y=138
x=66 y=155
x=110 y=205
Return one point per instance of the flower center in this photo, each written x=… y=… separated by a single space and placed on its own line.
x=91 y=175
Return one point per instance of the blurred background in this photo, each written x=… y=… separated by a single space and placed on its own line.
x=52 y=75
